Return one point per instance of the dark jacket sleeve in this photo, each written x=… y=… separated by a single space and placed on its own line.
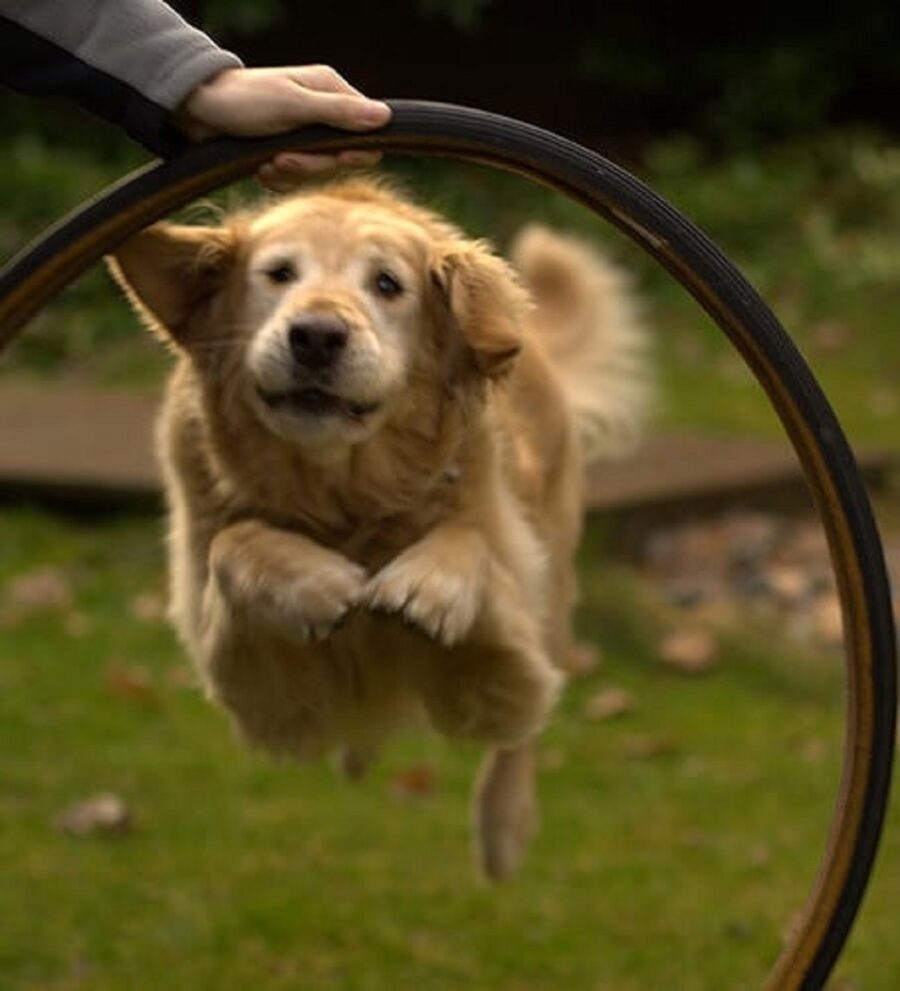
x=129 y=61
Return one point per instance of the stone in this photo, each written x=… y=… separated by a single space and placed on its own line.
x=691 y=650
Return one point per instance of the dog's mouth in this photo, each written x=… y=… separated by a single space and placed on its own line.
x=316 y=402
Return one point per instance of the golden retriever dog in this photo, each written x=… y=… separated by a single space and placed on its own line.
x=373 y=445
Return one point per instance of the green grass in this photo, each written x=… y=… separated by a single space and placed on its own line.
x=679 y=870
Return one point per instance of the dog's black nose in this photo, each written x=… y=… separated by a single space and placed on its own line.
x=317 y=341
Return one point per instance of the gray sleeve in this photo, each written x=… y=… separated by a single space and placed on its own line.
x=142 y=43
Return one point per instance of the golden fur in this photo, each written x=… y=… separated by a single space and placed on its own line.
x=391 y=535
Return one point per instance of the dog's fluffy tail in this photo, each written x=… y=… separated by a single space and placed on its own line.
x=587 y=320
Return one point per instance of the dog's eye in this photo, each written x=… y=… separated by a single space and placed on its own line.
x=281 y=274
x=386 y=285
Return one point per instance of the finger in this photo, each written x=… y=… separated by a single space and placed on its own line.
x=299 y=161
x=359 y=159
x=304 y=161
x=287 y=171
x=322 y=77
x=353 y=113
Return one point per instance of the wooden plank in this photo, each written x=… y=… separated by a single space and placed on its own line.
x=59 y=439
x=674 y=467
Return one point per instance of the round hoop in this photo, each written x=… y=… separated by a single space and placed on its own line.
x=417 y=127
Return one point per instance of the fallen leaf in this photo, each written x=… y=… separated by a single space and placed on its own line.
x=609 y=703
x=883 y=402
x=813 y=750
x=104 y=814
x=42 y=588
x=641 y=746
x=689 y=650
x=77 y=624
x=829 y=337
x=415 y=781
x=759 y=855
x=180 y=676
x=583 y=658
x=148 y=607
x=790 y=584
x=9 y=618
x=133 y=684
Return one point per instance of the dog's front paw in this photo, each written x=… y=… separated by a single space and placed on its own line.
x=285 y=581
x=431 y=592
x=315 y=602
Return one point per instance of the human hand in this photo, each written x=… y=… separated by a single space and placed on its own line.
x=259 y=102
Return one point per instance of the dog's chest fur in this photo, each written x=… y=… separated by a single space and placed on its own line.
x=369 y=505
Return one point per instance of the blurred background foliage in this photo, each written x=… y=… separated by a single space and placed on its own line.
x=775 y=129
x=766 y=71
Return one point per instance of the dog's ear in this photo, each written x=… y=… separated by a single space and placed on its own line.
x=485 y=304
x=169 y=271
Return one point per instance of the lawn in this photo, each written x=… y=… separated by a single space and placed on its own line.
x=678 y=839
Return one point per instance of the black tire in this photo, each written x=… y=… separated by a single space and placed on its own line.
x=427 y=128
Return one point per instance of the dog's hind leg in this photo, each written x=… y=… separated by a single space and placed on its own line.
x=504 y=809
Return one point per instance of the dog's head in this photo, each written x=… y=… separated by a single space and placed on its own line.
x=326 y=312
